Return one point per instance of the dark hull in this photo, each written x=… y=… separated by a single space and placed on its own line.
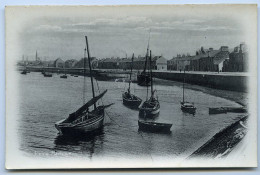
x=63 y=76
x=223 y=110
x=130 y=102
x=82 y=129
x=144 y=79
x=154 y=126
x=47 y=75
x=188 y=109
x=80 y=125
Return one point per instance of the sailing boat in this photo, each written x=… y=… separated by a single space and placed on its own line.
x=143 y=78
x=83 y=120
x=128 y=98
x=151 y=107
x=64 y=75
x=185 y=105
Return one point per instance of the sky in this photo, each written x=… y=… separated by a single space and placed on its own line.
x=117 y=31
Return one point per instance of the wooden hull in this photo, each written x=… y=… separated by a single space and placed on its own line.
x=63 y=76
x=191 y=110
x=149 y=112
x=83 y=126
x=47 y=75
x=154 y=126
x=223 y=110
x=131 y=102
x=143 y=79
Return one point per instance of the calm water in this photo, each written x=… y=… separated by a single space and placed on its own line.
x=48 y=100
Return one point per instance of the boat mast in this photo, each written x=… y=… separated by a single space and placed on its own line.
x=147 y=53
x=90 y=71
x=131 y=72
x=84 y=74
x=151 y=73
x=183 y=86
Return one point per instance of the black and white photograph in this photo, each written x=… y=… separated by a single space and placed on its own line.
x=131 y=86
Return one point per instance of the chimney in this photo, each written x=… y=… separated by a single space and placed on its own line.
x=224 y=48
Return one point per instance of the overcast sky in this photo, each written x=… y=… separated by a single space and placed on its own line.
x=117 y=31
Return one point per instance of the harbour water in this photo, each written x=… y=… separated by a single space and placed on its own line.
x=44 y=101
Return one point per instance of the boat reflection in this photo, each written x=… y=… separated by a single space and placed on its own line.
x=85 y=142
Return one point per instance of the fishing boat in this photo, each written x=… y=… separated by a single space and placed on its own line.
x=47 y=74
x=83 y=120
x=129 y=99
x=154 y=126
x=151 y=107
x=224 y=110
x=24 y=72
x=143 y=78
x=185 y=105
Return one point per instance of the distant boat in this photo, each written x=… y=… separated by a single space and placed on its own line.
x=129 y=99
x=151 y=107
x=185 y=105
x=24 y=72
x=47 y=74
x=143 y=78
x=224 y=110
x=83 y=120
x=63 y=76
x=154 y=126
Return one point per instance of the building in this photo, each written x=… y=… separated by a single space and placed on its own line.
x=179 y=63
x=209 y=60
x=109 y=63
x=238 y=60
x=58 y=63
x=80 y=63
x=125 y=63
x=159 y=62
x=70 y=63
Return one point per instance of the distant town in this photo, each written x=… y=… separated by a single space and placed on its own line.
x=222 y=59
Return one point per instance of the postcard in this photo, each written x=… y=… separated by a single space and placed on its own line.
x=131 y=86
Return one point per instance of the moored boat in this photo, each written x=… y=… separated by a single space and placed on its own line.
x=154 y=126
x=186 y=106
x=64 y=76
x=83 y=120
x=151 y=107
x=24 y=72
x=129 y=99
x=47 y=74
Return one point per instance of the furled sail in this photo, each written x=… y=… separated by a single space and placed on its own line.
x=90 y=102
x=77 y=113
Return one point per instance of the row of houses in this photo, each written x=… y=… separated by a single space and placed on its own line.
x=212 y=60
x=157 y=63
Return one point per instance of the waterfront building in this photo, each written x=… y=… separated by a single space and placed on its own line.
x=58 y=63
x=209 y=60
x=238 y=59
x=70 y=63
x=159 y=62
x=109 y=63
x=180 y=62
x=80 y=63
x=125 y=63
